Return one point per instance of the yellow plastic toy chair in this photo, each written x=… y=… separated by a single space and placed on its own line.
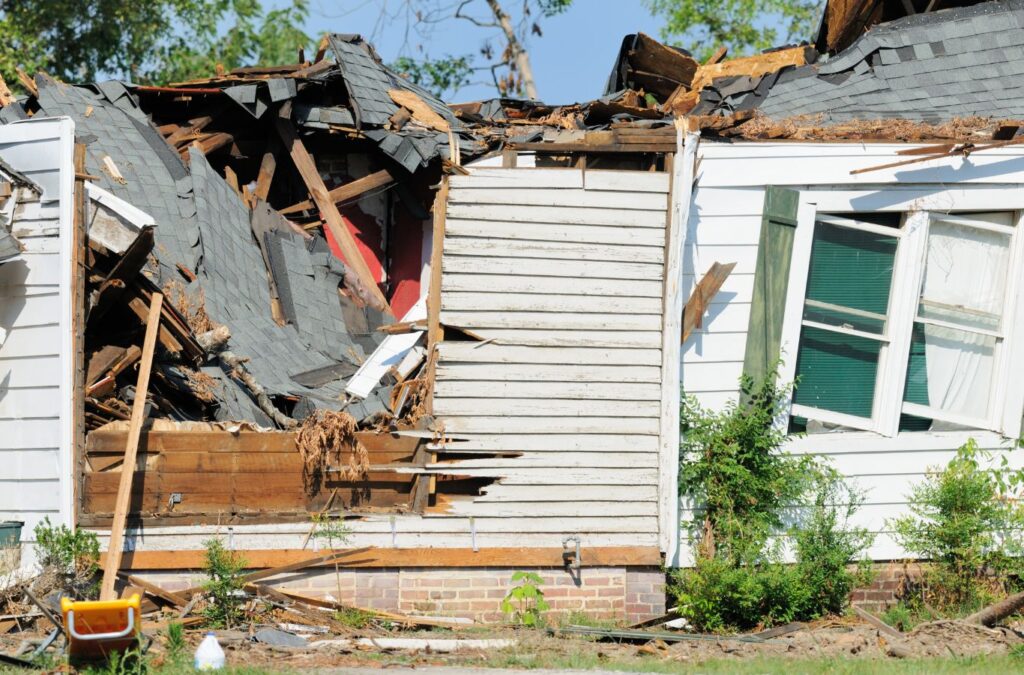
x=96 y=628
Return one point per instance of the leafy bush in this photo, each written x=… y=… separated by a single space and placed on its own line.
x=71 y=554
x=967 y=519
x=524 y=604
x=747 y=495
x=223 y=585
x=68 y=551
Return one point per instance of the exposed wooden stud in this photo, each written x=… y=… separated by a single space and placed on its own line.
x=124 y=491
x=78 y=263
x=335 y=223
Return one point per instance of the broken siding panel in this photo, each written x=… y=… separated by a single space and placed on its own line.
x=563 y=272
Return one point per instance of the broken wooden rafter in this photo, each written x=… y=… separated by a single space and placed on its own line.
x=702 y=295
x=344 y=238
x=347 y=192
x=27 y=82
x=403 y=327
x=6 y=97
x=194 y=127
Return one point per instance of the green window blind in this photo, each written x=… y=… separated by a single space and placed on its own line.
x=848 y=286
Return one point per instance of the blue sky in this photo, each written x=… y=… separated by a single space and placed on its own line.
x=571 y=62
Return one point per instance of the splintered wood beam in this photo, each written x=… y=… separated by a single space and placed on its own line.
x=717 y=56
x=348 y=191
x=124 y=491
x=194 y=126
x=6 y=97
x=27 y=82
x=321 y=49
x=335 y=223
x=702 y=295
x=266 y=175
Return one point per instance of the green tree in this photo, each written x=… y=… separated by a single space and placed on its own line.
x=744 y=26
x=503 y=55
x=152 y=41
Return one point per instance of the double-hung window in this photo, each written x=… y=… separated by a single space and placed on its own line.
x=905 y=321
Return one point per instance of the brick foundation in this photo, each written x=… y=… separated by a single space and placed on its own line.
x=887 y=586
x=622 y=594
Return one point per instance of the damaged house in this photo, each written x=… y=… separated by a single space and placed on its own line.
x=464 y=329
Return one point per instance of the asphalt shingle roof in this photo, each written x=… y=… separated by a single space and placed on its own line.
x=204 y=226
x=927 y=67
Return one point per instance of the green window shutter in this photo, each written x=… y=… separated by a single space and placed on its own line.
x=771 y=281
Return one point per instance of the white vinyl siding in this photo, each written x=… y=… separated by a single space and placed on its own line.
x=724 y=226
x=561 y=273
x=35 y=331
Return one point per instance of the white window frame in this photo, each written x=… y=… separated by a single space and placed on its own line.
x=1006 y=406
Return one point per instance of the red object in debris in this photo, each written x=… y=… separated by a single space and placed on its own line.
x=366 y=231
x=406 y=264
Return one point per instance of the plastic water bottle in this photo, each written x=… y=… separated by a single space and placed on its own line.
x=209 y=656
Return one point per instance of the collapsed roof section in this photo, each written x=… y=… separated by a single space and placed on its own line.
x=197 y=159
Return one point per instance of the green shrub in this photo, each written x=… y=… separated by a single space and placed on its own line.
x=966 y=519
x=524 y=604
x=748 y=496
x=71 y=554
x=223 y=586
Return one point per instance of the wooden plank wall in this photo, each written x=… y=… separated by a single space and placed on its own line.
x=724 y=226
x=32 y=328
x=560 y=272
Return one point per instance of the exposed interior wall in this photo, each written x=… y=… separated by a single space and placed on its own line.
x=724 y=226
x=35 y=332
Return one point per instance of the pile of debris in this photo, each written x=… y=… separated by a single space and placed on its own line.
x=33 y=630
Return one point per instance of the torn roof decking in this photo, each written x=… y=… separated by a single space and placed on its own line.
x=928 y=67
x=204 y=226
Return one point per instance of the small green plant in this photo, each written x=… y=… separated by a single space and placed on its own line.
x=336 y=533
x=223 y=586
x=1017 y=652
x=966 y=518
x=71 y=554
x=353 y=617
x=907 y=614
x=524 y=603
x=130 y=662
x=749 y=497
x=175 y=642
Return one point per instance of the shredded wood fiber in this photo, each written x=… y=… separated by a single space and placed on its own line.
x=815 y=128
x=193 y=308
x=203 y=386
x=327 y=435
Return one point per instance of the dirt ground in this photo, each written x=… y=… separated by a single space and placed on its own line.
x=830 y=639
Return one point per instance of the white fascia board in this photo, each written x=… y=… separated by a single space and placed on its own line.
x=132 y=214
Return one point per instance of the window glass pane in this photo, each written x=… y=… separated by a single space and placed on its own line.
x=965 y=275
x=950 y=370
x=849 y=269
x=836 y=372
